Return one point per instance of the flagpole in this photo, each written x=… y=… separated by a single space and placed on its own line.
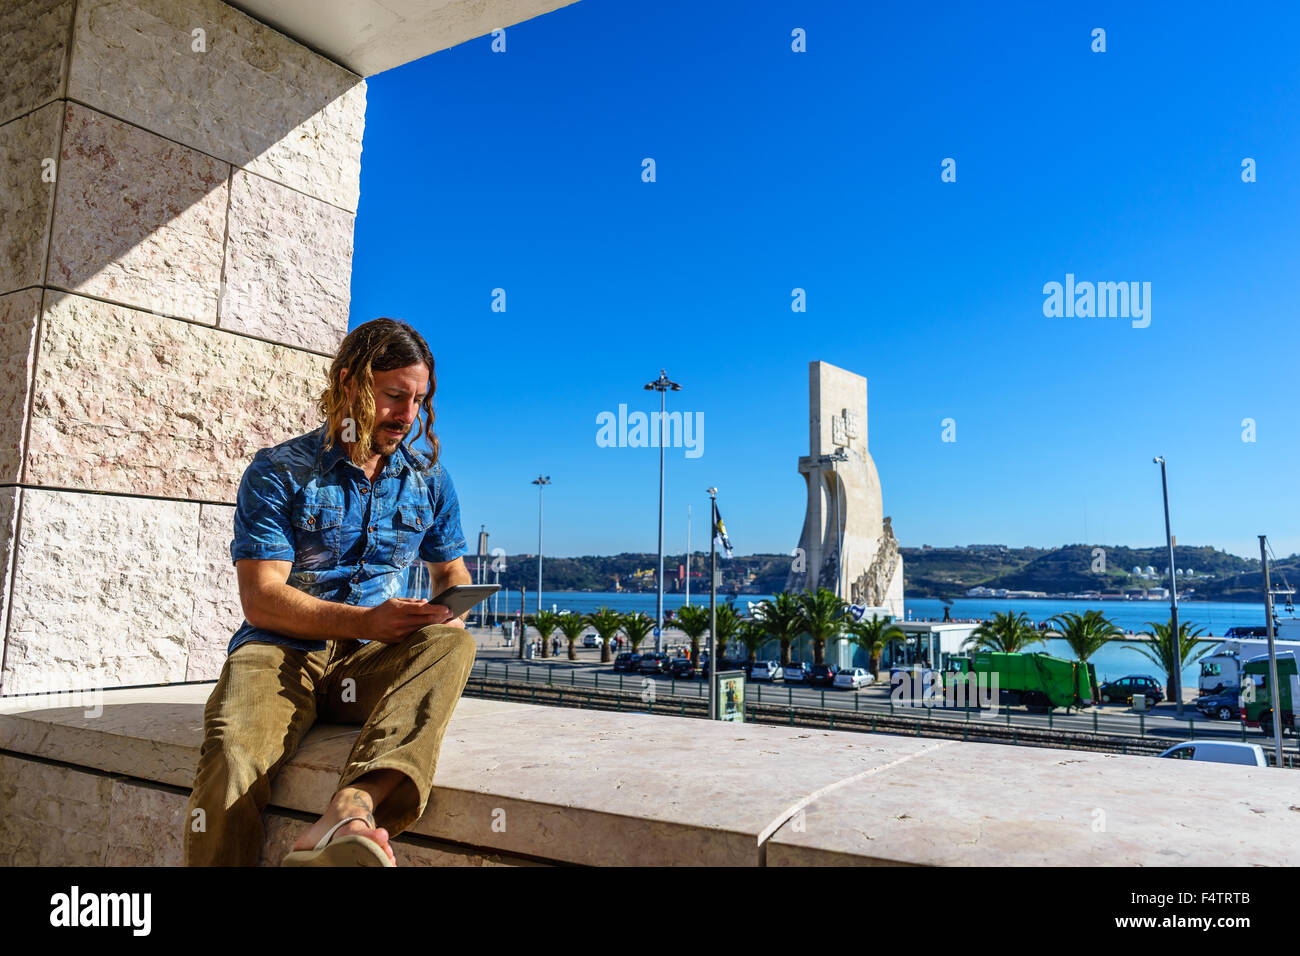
x=688 y=554
x=713 y=606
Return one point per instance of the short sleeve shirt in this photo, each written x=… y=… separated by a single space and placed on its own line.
x=350 y=540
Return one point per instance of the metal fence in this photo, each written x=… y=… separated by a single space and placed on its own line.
x=560 y=685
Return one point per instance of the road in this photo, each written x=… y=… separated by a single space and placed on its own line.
x=501 y=663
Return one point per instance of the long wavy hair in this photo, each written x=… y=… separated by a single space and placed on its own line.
x=379 y=345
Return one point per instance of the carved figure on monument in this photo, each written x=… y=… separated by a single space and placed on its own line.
x=872 y=586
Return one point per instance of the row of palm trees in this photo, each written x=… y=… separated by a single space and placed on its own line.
x=786 y=618
x=824 y=617
x=1088 y=633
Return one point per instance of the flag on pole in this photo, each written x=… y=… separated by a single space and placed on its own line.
x=720 y=531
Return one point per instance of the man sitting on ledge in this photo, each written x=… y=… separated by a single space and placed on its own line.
x=325 y=527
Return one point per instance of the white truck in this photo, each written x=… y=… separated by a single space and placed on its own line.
x=1221 y=668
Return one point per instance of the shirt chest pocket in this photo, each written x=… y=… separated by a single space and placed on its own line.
x=317 y=535
x=410 y=523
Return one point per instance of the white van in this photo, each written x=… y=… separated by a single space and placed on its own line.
x=1219 y=751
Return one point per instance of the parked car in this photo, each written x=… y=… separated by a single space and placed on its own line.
x=822 y=675
x=1126 y=688
x=764 y=670
x=620 y=662
x=682 y=668
x=1222 y=706
x=633 y=665
x=656 y=662
x=728 y=664
x=590 y=640
x=796 y=672
x=1219 y=751
x=853 y=678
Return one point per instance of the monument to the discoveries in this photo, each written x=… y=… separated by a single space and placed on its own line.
x=860 y=558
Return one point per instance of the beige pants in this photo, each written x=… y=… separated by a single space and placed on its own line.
x=268 y=697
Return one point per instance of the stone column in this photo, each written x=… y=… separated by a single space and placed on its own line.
x=178 y=185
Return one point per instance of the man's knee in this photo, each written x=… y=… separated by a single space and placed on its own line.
x=445 y=642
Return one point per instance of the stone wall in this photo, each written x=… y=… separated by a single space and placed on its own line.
x=178 y=186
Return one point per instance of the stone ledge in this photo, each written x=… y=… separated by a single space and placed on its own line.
x=97 y=819
x=603 y=788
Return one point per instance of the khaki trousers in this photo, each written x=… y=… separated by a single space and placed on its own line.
x=268 y=697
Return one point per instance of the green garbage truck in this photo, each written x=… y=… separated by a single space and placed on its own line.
x=1036 y=680
x=1257 y=695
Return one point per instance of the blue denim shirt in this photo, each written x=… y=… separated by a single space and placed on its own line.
x=350 y=541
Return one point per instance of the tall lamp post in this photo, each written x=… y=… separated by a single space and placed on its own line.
x=1173 y=597
x=482 y=551
x=713 y=603
x=661 y=385
x=540 y=481
x=838 y=456
x=1272 y=650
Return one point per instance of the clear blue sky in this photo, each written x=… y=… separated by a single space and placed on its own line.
x=821 y=170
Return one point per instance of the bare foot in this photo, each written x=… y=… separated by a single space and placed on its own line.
x=348 y=802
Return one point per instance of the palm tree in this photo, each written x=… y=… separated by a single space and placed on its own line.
x=728 y=628
x=783 y=619
x=637 y=627
x=752 y=635
x=693 y=621
x=607 y=624
x=1007 y=633
x=823 y=619
x=1158 y=648
x=546 y=622
x=874 y=636
x=571 y=626
x=1086 y=633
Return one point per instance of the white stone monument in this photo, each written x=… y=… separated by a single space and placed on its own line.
x=845 y=534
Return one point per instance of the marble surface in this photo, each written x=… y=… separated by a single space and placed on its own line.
x=371 y=36
x=60 y=816
x=19 y=312
x=26 y=195
x=33 y=49
x=993 y=805
x=38 y=831
x=135 y=403
x=217 y=610
x=239 y=91
x=101 y=591
x=288 y=266
x=139 y=219
x=606 y=788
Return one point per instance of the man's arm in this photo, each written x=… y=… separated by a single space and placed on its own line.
x=271 y=604
x=448 y=574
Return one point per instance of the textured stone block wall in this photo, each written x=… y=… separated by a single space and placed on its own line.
x=178 y=186
x=58 y=816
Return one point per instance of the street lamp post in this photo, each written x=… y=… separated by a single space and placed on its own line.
x=1272 y=652
x=1173 y=597
x=540 y=481
x=661 y=385
x=482 y=551
x=713 y=603
x=838 y=456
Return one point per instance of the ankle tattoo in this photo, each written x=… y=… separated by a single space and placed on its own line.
x=360 y=802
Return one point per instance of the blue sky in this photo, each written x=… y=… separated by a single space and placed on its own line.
x=821 y=170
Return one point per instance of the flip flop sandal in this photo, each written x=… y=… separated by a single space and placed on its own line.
x=350 y=850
